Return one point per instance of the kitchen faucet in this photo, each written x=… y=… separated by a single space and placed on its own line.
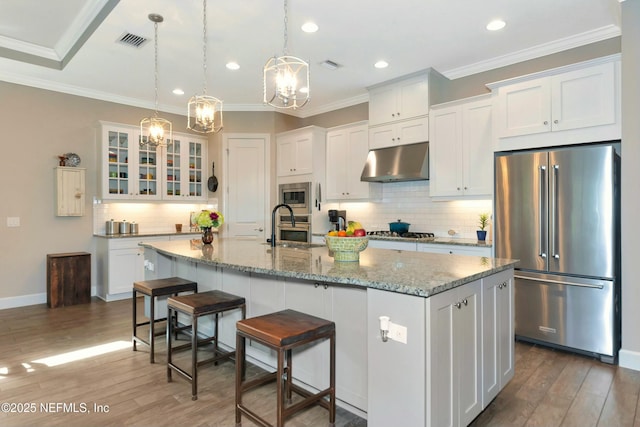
x=273 y=222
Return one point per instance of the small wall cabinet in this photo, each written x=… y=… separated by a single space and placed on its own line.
x=399 y=100
x=461 y=149
x=70 y=191
x=400 y=133
x=572 y=104
x=347 y=150
x=297 y=150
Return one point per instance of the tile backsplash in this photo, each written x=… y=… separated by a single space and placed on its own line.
x=151 y=217
x=410 y=202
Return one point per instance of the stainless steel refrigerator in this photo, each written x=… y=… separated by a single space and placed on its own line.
x=558 y=212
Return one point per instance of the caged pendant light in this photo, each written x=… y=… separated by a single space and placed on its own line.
x=286 y=78
x=204 y=112
x=155 y=131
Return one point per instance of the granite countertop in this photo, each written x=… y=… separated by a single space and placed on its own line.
x=125 y=236
x=408 y=272
x=434 y=240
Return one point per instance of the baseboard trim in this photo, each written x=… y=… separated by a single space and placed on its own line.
x=26 y=300
x=629 y=359
x=23 y=300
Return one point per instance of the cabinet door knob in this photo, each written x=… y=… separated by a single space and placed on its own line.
x=555 y=121
x=545 y=123
x=465 y=302
x=457 y=305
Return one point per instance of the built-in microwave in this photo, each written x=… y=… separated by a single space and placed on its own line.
x=297 y=196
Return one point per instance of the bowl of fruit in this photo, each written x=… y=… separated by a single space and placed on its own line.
x=346 y=245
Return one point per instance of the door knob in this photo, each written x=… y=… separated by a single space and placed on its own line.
x=258 y=229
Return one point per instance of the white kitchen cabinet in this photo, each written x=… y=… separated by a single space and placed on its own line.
x=70 y=191
x=401 y=99
x=453 y=249
x=127 y=171
x=301 y=151
x=120 y=262
x=347 y=150
x=497 y=334
x=185 y=169
x=347 y=307
x=393 y=244
x=460 y=149
x=295 y=153
x=454 y=359
x=584 y=96
x=400 y=133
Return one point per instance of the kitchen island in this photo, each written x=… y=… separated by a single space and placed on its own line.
x=451 y=338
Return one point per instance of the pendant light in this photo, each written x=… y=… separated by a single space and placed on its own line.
x=204 y=112
x=286 y=78
x=155 y=131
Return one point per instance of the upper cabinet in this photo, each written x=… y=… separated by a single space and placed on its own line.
x=404 y=132
x=185 y=168
x=460 y=148
x=578 y=103
x=404 y=99
x=128 y=171
x=299 y=151
x=347 y=150
x=394 y=107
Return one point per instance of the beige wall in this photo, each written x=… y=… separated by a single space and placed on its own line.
x=630 y=356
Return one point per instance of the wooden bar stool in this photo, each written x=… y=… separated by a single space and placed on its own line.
x=153 y=289
x=195 y=306
x=282 y=332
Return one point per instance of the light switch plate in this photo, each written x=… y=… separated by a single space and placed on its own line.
x=13 y=221
x=398 y=333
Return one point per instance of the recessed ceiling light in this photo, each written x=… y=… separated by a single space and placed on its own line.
x=178 y=91
x=496 y=24
x=309 y=27
x=381 y=64
x=233 y=65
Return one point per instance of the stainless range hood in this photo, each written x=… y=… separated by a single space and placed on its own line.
x=399 y=163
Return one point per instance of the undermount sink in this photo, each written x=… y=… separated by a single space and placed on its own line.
x=297 y=245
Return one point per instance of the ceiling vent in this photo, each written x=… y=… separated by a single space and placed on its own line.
x=330 y=65
x=132 y=40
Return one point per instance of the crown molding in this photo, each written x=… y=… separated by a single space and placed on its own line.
x=538 y=51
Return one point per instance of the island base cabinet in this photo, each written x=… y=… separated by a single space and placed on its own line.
x=497 y=335
x=347 y=307
x=397 y=374
x=453 y=350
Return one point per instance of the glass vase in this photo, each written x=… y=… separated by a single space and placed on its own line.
x=207 y=236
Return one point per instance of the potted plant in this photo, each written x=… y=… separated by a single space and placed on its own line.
x=483 y=222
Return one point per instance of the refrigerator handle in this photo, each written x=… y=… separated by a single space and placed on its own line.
x=554 y=216
x=541 y=195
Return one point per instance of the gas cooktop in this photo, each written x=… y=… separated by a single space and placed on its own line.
x=408 y=235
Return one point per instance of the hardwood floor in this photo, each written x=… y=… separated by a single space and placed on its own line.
x=120 y=387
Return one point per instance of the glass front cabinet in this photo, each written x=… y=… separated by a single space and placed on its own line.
x=129 y=170
x=184 y=172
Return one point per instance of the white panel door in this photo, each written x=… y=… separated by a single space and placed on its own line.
x=247 y=186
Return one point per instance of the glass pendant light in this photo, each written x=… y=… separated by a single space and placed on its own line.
x=204 y=112
x=286 y=78
x=155 y=131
